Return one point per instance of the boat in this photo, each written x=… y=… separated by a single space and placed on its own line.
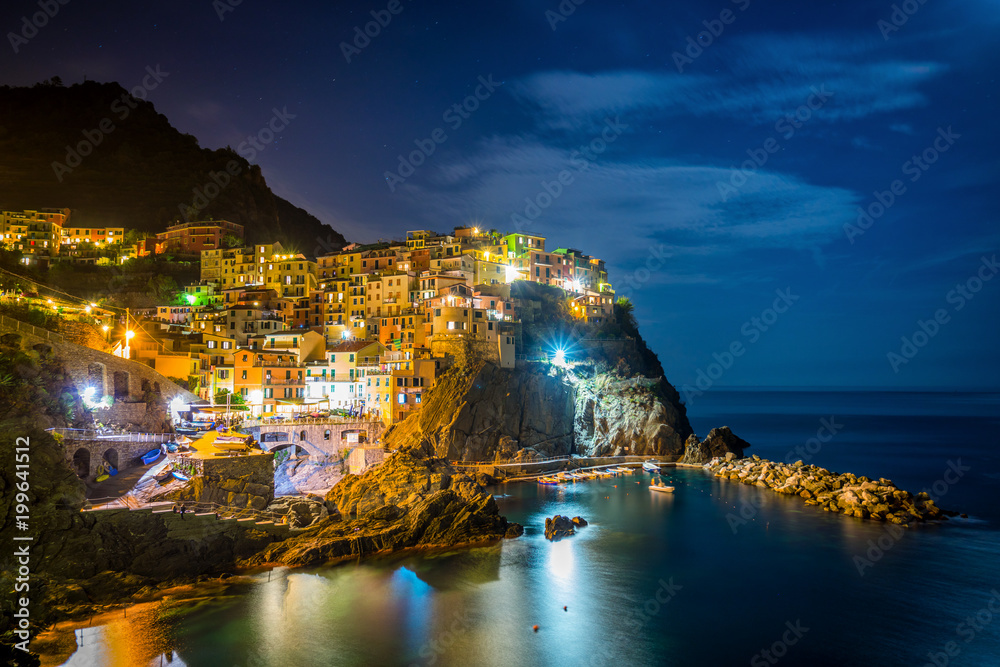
x=548 y=481
x=231 y=446
x=102 y=477
x=650 y=466
x=150 y=456
x=182 y=477
x=661 y=488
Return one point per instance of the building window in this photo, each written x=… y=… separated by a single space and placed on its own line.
x=326 y=434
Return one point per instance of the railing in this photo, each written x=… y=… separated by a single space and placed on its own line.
x=312 y=421
x=18 y=325
x=95 y=434
x=280 y=381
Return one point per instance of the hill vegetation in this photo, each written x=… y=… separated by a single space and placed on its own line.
x=56 y=151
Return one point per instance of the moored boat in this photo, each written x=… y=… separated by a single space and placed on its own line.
x=150 y=456
x=181 y=476
x=650 y=466
x=661 y=489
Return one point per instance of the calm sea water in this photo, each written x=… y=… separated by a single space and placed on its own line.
x=716 y=574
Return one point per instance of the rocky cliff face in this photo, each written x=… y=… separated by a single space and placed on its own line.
x=412 y=500
x=485 y=413
x=616 y=417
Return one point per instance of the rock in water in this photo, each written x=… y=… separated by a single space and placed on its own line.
x=559 y=527
x=719 y=442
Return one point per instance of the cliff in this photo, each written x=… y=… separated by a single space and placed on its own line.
x=481 y=412
x=140 y=175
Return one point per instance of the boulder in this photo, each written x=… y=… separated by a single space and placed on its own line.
x=559 y=527
x=719 y=442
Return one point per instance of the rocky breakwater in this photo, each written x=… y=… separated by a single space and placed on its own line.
x=413 y=500
x=844 y=493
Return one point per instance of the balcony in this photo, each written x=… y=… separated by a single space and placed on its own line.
x=283 y=381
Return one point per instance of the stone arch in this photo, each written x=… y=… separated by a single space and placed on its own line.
x=296 y=450
x=121 y=380
x=111 y=457
x=81 y=462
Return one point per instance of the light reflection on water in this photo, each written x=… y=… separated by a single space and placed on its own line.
x=787 y=562
x=741 y=581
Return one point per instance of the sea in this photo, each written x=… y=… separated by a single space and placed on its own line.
x=716 y=574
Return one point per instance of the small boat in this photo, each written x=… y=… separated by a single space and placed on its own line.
x=150 y=456
x=548 y=481
x=650 y=466
x=172 y=448
x=231 y=446
x=182 y=477
x=102 y=477
x=661 y=489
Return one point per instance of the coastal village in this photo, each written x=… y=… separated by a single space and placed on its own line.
x=363 y=331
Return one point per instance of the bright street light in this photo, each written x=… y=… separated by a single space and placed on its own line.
x=129 y=335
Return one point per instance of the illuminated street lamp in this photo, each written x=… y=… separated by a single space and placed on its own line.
x=127 y=351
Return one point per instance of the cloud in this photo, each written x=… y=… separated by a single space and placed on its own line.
x=616 y=209
x=763 y=78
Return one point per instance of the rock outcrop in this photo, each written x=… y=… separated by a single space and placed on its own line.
x=616 y=417
x=848 y=494
x=301 y=512
x=239 y=492
x=718 y=443
x=413 y=500
x=560 y=526
x=485 y=413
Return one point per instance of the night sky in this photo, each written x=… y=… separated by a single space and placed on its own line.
x=823 y=106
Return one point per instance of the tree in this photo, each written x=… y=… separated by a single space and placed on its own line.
x=231 y=241
x=625 y=314
x=233 y=399
x=164 y=288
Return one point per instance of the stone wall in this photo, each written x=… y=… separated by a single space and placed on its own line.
x=365 y=458
x=317 y=442
x=123 y=454
x=107 y=374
